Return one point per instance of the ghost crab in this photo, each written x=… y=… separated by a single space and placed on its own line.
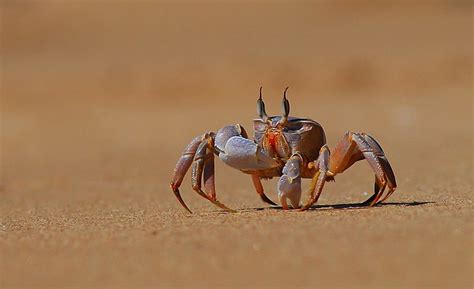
x=287 y=147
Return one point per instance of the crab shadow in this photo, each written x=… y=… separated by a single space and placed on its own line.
x=353 y=206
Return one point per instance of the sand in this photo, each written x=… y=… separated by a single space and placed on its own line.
x=98 y=101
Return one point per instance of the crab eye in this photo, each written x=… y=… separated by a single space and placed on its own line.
x=259 y=125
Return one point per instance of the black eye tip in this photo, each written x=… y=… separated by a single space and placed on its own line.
x=261 y=106
x=285 y=104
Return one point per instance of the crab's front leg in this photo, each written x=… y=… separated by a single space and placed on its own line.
x=289 y=184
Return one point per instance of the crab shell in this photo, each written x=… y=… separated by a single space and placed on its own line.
x=281 y=138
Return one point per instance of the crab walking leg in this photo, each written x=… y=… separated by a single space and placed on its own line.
x=352 y=148
x=377 y=195
x=387 y=169
x=204 y=158
x=208 y=176
x=377 y=187
x=319 y=179
x=259 y=187
x=289 y=184
x=374 y=154
x=390 y=192
x=182 y=166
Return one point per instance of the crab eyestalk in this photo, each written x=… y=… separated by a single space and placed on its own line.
x=285 y=106
x=261 y=107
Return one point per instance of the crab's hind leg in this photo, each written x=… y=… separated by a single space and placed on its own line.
x=204 y=162
x=182 y=166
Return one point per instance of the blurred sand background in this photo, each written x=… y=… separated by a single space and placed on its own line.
x=98 y=98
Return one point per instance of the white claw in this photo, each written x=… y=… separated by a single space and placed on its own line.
x=244 y=154
x=289 y=184
x=289 y=188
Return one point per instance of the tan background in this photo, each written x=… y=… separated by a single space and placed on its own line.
x=98 y=98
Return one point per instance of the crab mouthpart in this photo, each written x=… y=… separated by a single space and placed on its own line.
x=273 y=139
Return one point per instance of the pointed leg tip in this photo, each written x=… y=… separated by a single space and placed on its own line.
x=229 y=210
x=222 y=206
x=186 y=208
x=267 y=200
x=181 y=201
x=304 y=208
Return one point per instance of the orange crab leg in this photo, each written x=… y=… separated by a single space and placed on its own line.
x=352 y=148
x=259 y=187
x=317 y=183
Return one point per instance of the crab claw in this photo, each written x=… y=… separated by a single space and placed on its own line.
x=242 y=153
x=289 y=188
x=289 y=184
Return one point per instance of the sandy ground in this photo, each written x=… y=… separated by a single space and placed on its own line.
x=98 y=100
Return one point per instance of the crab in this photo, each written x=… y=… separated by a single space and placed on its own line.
x=290 y=148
